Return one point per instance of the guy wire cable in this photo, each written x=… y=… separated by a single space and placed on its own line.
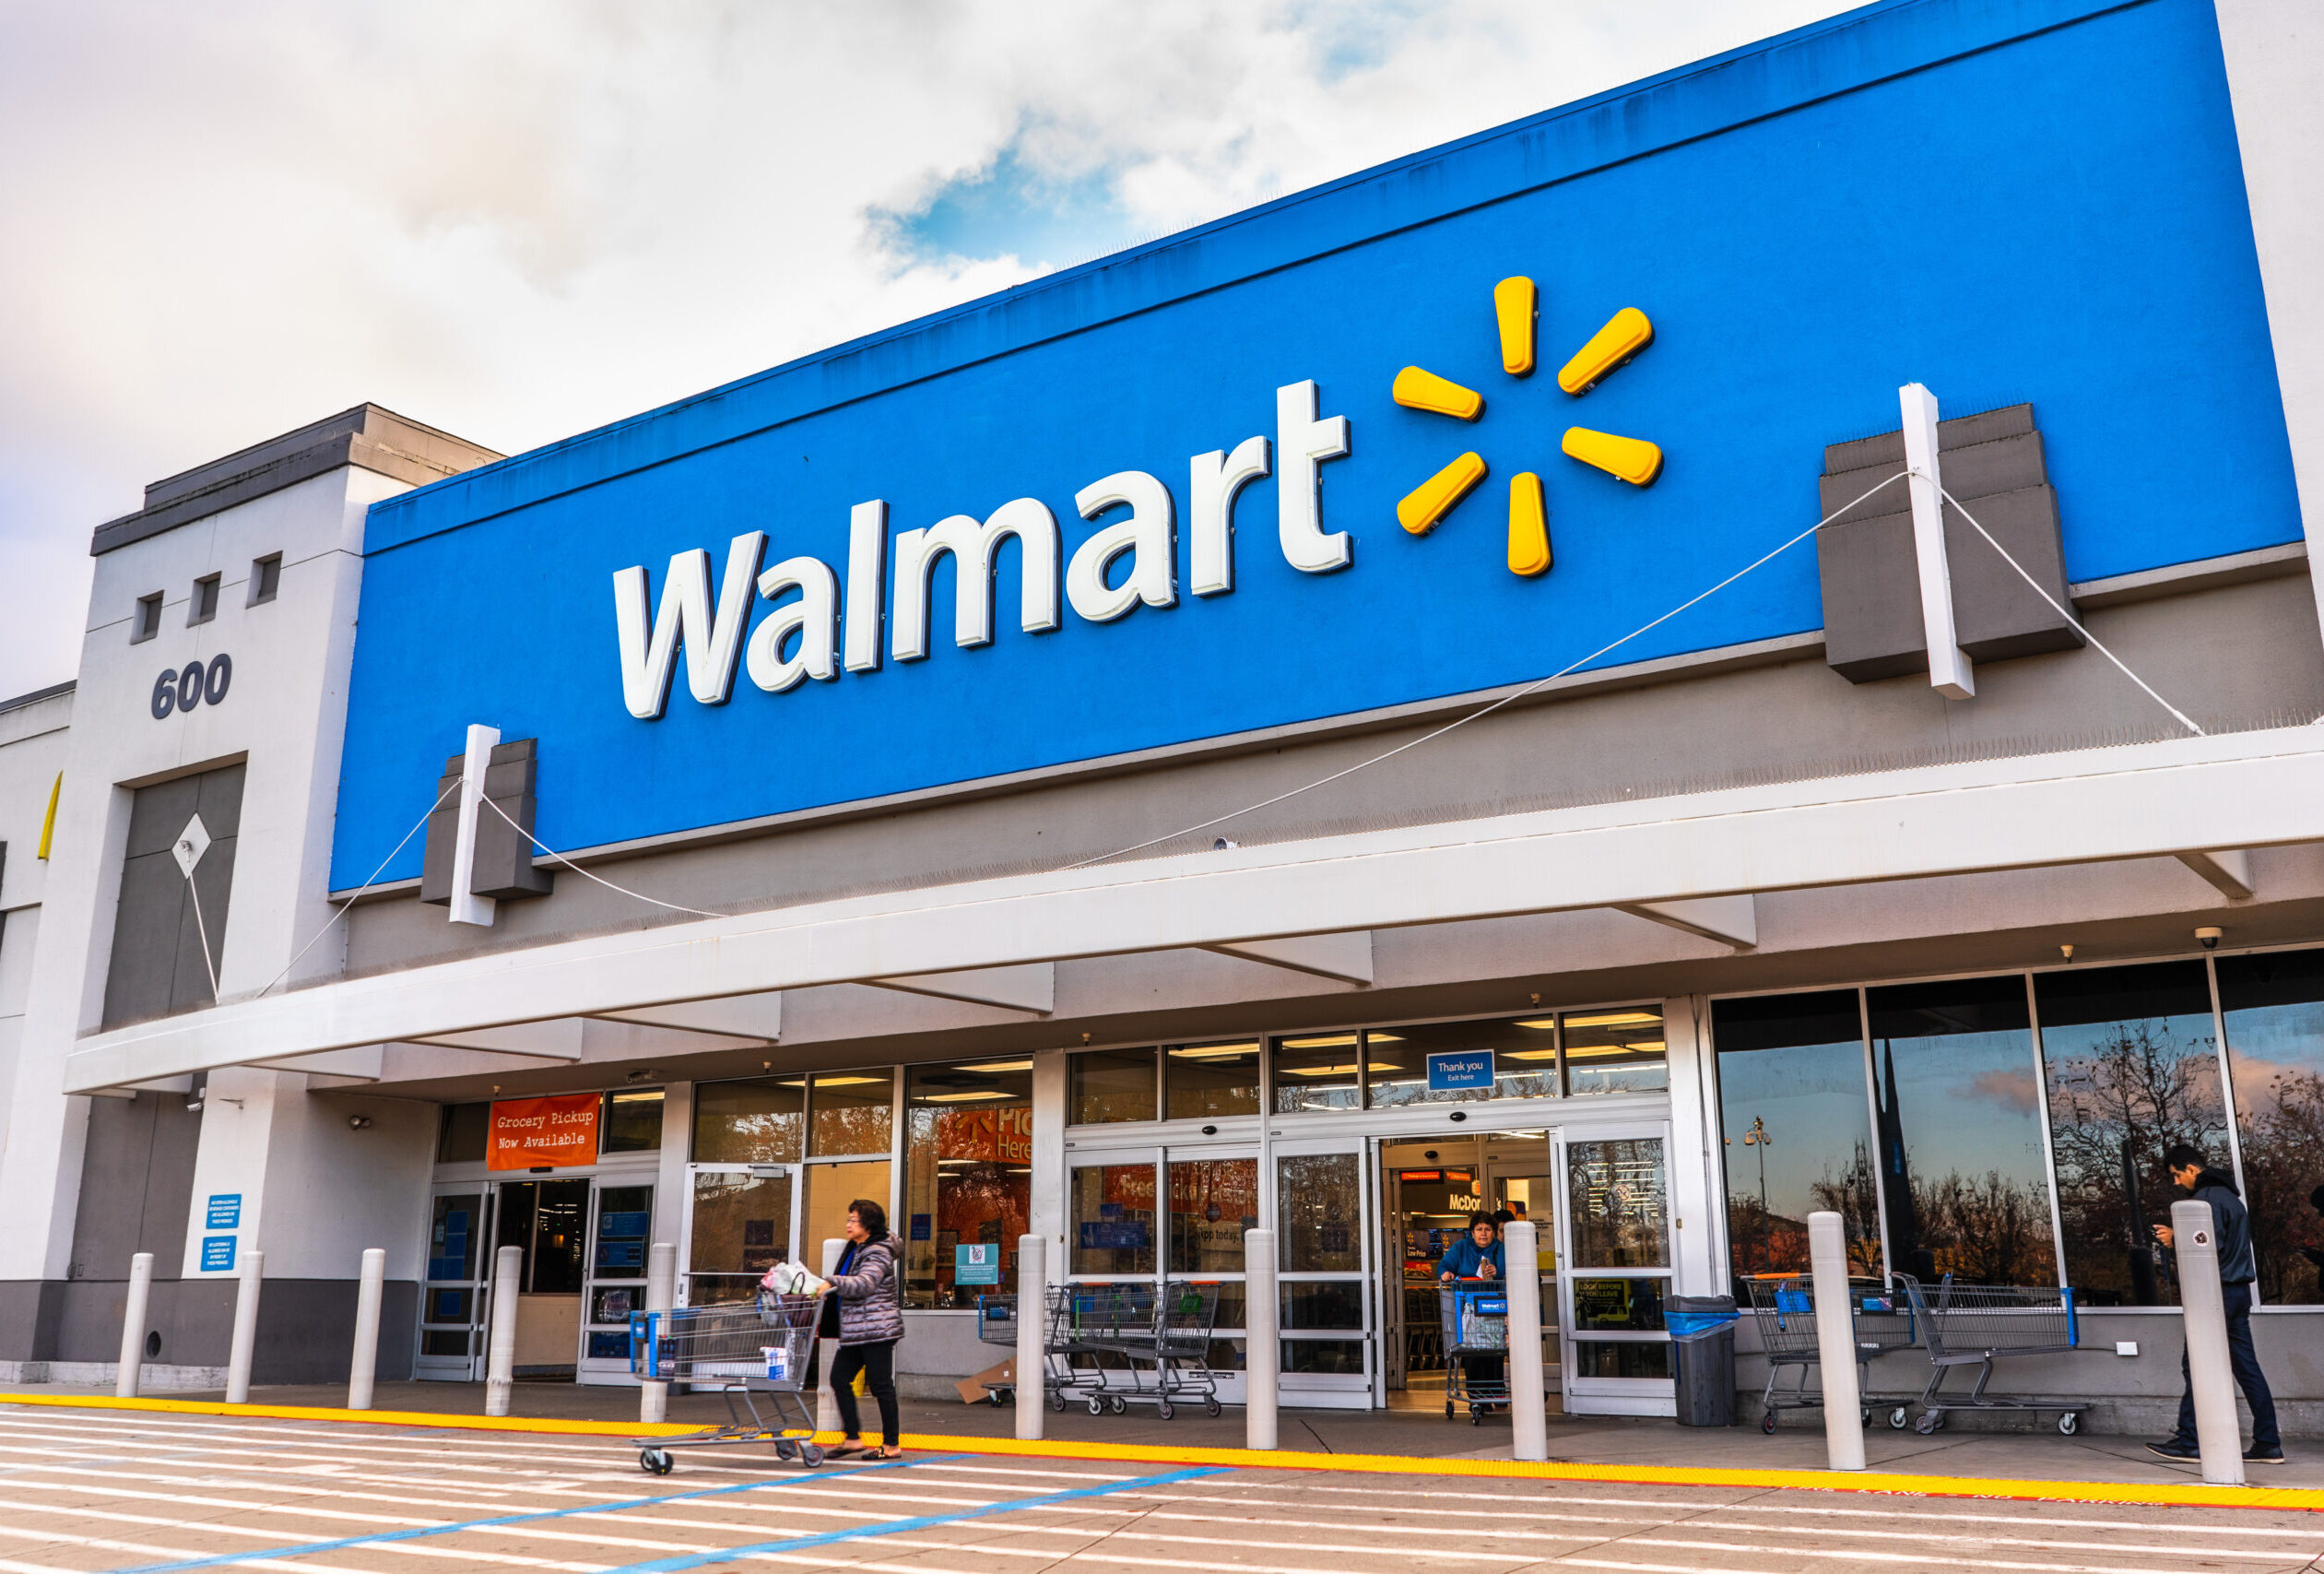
x=1507 y=699
x=335 y=917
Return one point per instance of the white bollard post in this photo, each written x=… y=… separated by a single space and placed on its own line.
x=246 y=1344
x=1033 y=1327
x=133 y=1326
x=1836 y=1343
x=499 y=1350
x=826 y=1391
x=1263 y=1344
x=2218 y=1431
x=661 y=1294
x=1529 y=1411
x=364 y=1368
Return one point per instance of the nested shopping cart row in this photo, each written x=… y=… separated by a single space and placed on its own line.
x=1116 y=1346
x=1958 y=1324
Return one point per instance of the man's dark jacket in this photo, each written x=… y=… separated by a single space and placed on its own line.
x=2233 y=1230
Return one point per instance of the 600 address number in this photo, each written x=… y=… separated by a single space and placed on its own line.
x=182 y=690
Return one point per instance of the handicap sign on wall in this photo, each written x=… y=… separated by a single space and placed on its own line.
x=976 y=1265
x=1452 y=1070
x=217 y=1254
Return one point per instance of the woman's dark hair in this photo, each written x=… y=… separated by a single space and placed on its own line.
x=1475 y=1219
x=871 y=1215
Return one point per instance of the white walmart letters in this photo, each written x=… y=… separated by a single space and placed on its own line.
x=821 y=641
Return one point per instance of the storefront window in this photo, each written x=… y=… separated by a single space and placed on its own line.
x=1318 y=1199
x=1319 y=1072
x=460 y=1137
x=1959 y=1137
x=1455 y=1062
x=2274 y=1010
x=742 y=1227
x=633 y=1122
x=968 y=1178
x=1797 y=1128
x=1212 y=1202
x=1619 y=1200
x=1114 y=1219
x=1615 y=1051
x=854 y=1112
x=762 y=1121
x=1206 y=1080
x=2133 y=1067
x=1112 y=1084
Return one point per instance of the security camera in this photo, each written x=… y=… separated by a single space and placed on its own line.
x=2209 y=935
x=357 y=1122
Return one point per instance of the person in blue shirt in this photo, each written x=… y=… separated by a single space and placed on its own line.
x=1476 y=1255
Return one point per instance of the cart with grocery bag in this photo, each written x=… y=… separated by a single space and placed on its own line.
x=1476 y=1320
x=750 y=1351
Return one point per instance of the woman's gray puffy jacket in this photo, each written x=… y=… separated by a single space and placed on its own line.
x=870 y=1296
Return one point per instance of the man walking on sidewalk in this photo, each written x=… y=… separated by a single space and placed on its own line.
x=2237 y=1268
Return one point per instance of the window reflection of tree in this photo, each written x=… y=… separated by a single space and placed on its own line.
x=2283 y=1121
x=1853 y=1193
x=2116 y=1107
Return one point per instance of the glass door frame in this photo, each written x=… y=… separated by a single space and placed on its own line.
x=1550 y=1286
x=478 y=1286
x=607 y=1369
x=1609 y=1396
x=685 y=1212
x=1330 y=1390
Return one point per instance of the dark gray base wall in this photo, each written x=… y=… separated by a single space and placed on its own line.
x=306 y=1327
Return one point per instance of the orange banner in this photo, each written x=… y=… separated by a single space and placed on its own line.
x=526 y=1133
x=993 y=1136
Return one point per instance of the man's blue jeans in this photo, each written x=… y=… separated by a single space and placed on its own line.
x=2248 y=1377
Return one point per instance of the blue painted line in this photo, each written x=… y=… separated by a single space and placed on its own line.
x=899 y=1527
x=302 y=1549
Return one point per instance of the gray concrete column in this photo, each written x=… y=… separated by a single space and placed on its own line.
x=499 y=1349
x=661 y=1294
x=364 y=1368
x=827 y=1393
x=1263 y=1340
x=2218 y=1432
x=1836 y=1343
x=1529 y=1412
x=246 y=1344
x=1033 y=1329
x=133 y=1327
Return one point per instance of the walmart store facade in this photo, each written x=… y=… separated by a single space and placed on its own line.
x=955 y=738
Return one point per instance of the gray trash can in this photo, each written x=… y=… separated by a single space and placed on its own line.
x=1702 y=1358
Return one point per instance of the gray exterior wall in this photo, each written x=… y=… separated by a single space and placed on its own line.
x=306 y=1327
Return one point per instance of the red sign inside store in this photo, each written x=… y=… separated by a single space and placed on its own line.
x=992 y=1136
x=526 y=1133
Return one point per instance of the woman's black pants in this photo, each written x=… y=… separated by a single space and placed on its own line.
x=877 y=1364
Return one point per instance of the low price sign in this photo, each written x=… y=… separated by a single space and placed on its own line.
x=526 y=1133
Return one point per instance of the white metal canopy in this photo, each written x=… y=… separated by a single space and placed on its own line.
x=2151 y=800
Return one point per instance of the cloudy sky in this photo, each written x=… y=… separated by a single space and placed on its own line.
x=518 y=220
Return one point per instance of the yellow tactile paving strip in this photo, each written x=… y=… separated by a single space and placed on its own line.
x=2189 y=1495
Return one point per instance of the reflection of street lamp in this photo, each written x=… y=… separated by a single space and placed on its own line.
x=1757 y=1137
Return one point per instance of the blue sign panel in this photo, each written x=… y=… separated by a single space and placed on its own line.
x=217 y=1254
x=1156 y=500
x=976 y=1265
x=1449 y=1071
x=920 y=1227
x=225 y=1211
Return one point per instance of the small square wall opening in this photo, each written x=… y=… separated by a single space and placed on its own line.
x=265 y=578
x=202 y=605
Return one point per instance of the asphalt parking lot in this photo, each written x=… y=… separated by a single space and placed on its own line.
x=110 y=1490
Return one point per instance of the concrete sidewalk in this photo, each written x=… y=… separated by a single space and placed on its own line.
x=2027 y=1454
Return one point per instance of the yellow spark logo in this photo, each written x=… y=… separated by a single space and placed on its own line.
x=1632 y=459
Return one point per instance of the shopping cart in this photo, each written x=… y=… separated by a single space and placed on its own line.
x=997 y=1320
x=744 y=1349
x=1783 y=1308
x=1476 y=1319
x=1157 y=1342
x=1973 y=1324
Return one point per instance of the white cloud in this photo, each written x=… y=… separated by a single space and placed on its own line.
x=519 y=220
